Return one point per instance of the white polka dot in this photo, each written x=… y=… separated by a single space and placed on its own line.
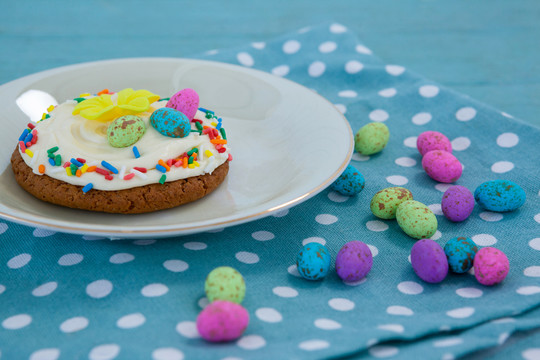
x=70 y=259
x=383 y=351
x=347 y=93
x=16 y=322
x=355 y=283
x=19 y=261
x=203 y=302
x=506 y=115
x=74 y=324
x=371 y=342
x=387 y=93
x=247 y=257
x=535 y=244
x=291 y=47
x=144 y=242
x=2 y=288
x=531 y=354
x=460 y=313
x=443 y=187
x=490 y=216
x=326 y=219
x=337 y=29
x=376 y=225
x=167 y=353
x=395 y=70
x=131 y=321
x=312 y=345
x=537 y=218
x=176 y=265
x=405 y=161
x=410 y=288
x=373 y=249
x=452 y=341
x=304 y=30
x=436 y=236
x=281 y=70
x=460 y=143
x=484 y=239
x=268 y=315
x=398 y=328
x=410 y=142
x=469 y=292
x=428 y=91
x=502 y=338
x=361 y=49
x=399 y=310
x=378 y=115
x=99 y=289
x=532 y=271
x=188 y=329
x=245 y=59
x=285 y=291
x=316 y=239
x=316 y=69
x=397 y=180
x=327 y=47
x=341 y=304
x=193 y=245
x=293 y=270
x=528 y=290
x=436 y=209
x=251 y=342
x=259 y=45
x=501 y=167
x=104 y=352
x=154 y=290
x=262 y=235
x=342 y=108
x=43 y=232
x=465 y=114
x=421 y=118
x=359 y=157
x=121 y=258
x=45 y=289
x=337 y=197
x=327 y=324
x=507 y=140
x=3 y=228
x=45 y=354
x=212 y=52
x=447 y=356
x=281 y=213
x=353 y=66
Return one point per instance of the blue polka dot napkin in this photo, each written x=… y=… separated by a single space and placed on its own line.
x=68 y=296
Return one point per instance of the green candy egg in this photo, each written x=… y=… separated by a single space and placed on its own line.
x=416 y=219
x=371 y=138
x=225 y=283
x=385 y=203
x=125 y=131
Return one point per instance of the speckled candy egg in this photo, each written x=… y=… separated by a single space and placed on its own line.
x=385 y=203
x=222 y=321
x=460 y=252
x=429 y=261
x=170 y=122
x=350 y=182
x=125 y=131
x=416 y=219
x=353 y=261
x=313 y=261
x=457 y=203
x=185 y=101
x=225 y=283
x=442 y=166
x=500 y=195
x=490 y=266
x=432 y=140
x=371 y=138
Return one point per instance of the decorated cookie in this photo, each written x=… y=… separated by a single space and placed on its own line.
x=125 y=131
x=353 y=261
x=500 y=195
x=490 y=266
x=225 y=283
x=222 y=321
x=442 y=166
x=457 y=203
x=432 y=140
x=460 y=252
x=350 y=182
x=416 y=219
x=385 y=203
x=371 y=138
x=313 y=261
x=429 y=261
x=186 y=101
x=170 y=122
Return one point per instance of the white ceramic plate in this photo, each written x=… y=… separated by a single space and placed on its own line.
x=288 y=143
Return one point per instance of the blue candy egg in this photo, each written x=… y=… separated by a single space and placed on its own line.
x=460 y=252
x=313 y=261
x=350 y=182
x=170 y=122
x=500 y=195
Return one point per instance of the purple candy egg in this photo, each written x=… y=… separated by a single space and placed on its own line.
x=353 y=261
x=185 y=101
x=457 y=203
x=490 y=266
x=442 y=166
x=432 y=140
x=429 y=261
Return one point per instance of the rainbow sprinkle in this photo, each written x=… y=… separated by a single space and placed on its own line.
x=87 y=187
x=161 y=168
x=162 y=179
x=108 y=166
x=136 y=152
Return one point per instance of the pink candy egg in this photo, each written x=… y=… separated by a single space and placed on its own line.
x=185 y=101
x=432 y=140
x=490 y=266
x=442 y=166
x=222 y=321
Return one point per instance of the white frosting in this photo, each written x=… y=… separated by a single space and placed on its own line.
x=77 y=137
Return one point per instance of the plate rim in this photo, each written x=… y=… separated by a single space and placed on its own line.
x=184 y=230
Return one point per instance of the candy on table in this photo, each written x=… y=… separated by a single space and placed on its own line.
x=125 y=131
x=442 y=166
x=385 y=202
x=371 y=138
x=222 y=321
x=186 y=101
x=350 y=182
x=170 y=122
x=490 y=266
x=416 y=219
x=457 y=203
x=429 y=261
x=432 y=140
x=500 y=195
x=225 y=283
x=460 y=252
x=313 y=261
x=353 y=261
